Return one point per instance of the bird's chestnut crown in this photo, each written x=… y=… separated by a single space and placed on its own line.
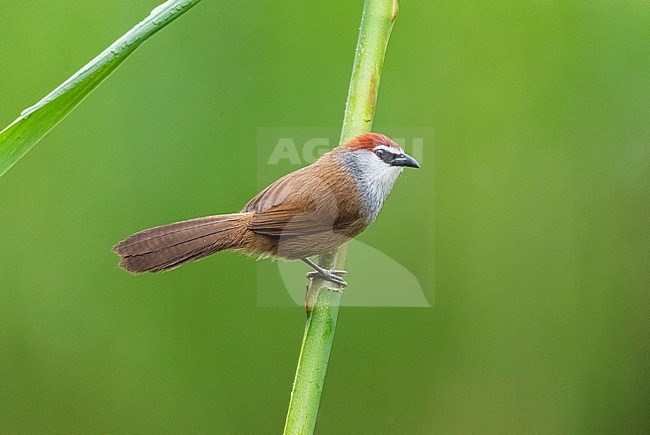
x=383 y=148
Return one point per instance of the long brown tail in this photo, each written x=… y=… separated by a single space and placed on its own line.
x=169 y=246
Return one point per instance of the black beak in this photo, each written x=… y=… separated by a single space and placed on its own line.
x=404 y=160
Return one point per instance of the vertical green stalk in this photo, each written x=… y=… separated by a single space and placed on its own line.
x=376 y=25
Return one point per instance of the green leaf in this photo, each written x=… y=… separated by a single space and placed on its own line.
x=35 y=122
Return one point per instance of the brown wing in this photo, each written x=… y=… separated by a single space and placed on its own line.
x=297 y=204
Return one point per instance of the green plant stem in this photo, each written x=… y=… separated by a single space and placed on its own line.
x=374 y=33
x=35 y=122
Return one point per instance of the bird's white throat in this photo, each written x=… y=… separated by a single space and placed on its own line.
x=374 y=178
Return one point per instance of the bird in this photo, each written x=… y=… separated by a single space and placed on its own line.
x=304 y=214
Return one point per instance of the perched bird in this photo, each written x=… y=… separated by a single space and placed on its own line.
x=305 y=213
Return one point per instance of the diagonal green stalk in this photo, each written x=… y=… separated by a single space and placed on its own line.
x=35 y=122
x=374 y=33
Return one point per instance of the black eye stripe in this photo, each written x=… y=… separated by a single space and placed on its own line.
x=386 y=156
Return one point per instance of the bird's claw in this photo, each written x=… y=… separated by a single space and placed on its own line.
x=331 y=276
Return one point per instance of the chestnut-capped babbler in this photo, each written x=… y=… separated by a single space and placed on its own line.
x=305 y=213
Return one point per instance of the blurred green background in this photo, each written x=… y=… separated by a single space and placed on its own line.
x=528 y=226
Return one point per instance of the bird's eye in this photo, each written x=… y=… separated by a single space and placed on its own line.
x=380 y=153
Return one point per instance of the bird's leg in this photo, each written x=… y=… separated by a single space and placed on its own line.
x=327 y=275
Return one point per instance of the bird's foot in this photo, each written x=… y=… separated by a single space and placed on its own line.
x=331 y=276
x=328 y=275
